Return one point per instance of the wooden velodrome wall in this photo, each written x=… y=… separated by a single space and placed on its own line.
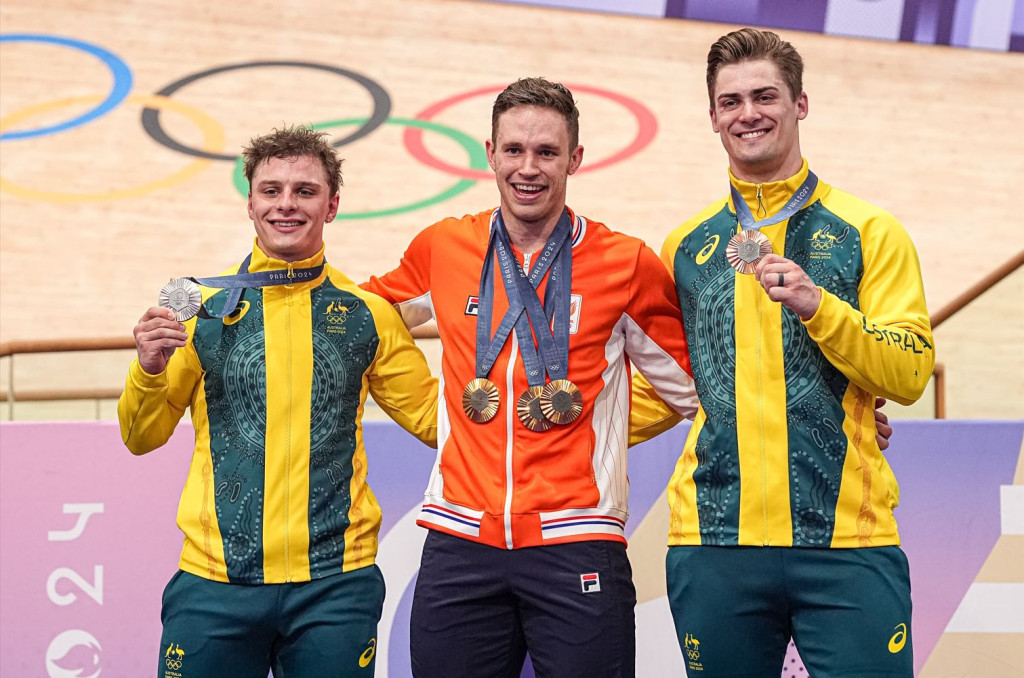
x=96 y=217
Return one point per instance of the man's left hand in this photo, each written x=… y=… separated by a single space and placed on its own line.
x=788 y=284
x=883 y=431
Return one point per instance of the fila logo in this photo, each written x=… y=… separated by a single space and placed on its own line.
x=590 y=583
x=575 y=306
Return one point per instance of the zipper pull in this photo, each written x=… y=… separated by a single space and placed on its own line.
x=761 y=209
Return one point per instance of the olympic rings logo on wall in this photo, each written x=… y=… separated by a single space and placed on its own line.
x=214 y=139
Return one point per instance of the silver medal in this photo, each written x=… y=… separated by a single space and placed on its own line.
x=182 y=296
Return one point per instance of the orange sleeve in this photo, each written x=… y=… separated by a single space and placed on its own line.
x=407 y=287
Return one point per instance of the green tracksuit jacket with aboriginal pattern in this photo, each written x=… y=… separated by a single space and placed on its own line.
x=276 y=491
x=782 y=451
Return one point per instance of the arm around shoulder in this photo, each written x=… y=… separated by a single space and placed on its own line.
x=399 y=378
x=663 y=393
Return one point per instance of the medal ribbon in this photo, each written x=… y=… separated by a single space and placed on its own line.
x=487 y=349
x=553 y=349
x=794 y=205
x=243 y=279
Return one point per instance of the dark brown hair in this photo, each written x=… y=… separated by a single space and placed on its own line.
x=538 y=92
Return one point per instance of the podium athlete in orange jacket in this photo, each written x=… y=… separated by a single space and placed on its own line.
x=540 y=312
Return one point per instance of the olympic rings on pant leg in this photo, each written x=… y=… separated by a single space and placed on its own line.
x=477 y=160
x=213 y=139
x=118 y=68
x=647 y=127
x=381 y=104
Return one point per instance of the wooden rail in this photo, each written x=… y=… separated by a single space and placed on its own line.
x=976 y=290
x=12 y=348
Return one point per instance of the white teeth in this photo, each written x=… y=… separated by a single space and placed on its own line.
x=287 y=223
x=525 y=188
x=753 y=135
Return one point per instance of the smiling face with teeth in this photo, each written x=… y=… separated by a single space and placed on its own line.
x=289 y=204
x=756 y=116
x=532 y=159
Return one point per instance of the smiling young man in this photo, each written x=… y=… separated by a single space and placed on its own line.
x=782 y=504
x=277 y=569
x=526 y=505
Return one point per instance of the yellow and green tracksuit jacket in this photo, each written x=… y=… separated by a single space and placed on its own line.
x=276 y=491
x=782 y=451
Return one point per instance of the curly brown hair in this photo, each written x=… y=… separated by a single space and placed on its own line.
x=751 y=44
x=294 y=142
x=538 y=92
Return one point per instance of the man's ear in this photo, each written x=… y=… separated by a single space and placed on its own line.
x=489 y=148
x=575 y=159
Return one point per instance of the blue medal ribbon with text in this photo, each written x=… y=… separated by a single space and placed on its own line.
x=235 y=284
x=520 y=289
x=792 y=206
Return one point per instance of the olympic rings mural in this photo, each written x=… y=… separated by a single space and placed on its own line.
x=211 y=148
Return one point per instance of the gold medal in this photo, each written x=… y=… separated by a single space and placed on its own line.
x=182 y=296
x=561 y=401
x=529 y=410
x=480 y=400
x=746 y=248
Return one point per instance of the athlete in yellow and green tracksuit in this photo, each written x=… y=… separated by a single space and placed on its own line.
x=276 y=493
x=782 y=452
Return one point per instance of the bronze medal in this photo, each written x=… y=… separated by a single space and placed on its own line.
x=182 y=296
x=561 y=401
x=480 y=400
x=746 y=248
x=530 y=412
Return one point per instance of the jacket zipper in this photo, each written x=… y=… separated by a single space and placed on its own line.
x=762 y=212
x=288 y=447
x=760 y=421
x=510 y=427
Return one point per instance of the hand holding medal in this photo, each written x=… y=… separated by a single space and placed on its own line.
x=788 y=284
x=750 y=251
x=747 y=248
x=157 y=336
x=159 y=331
